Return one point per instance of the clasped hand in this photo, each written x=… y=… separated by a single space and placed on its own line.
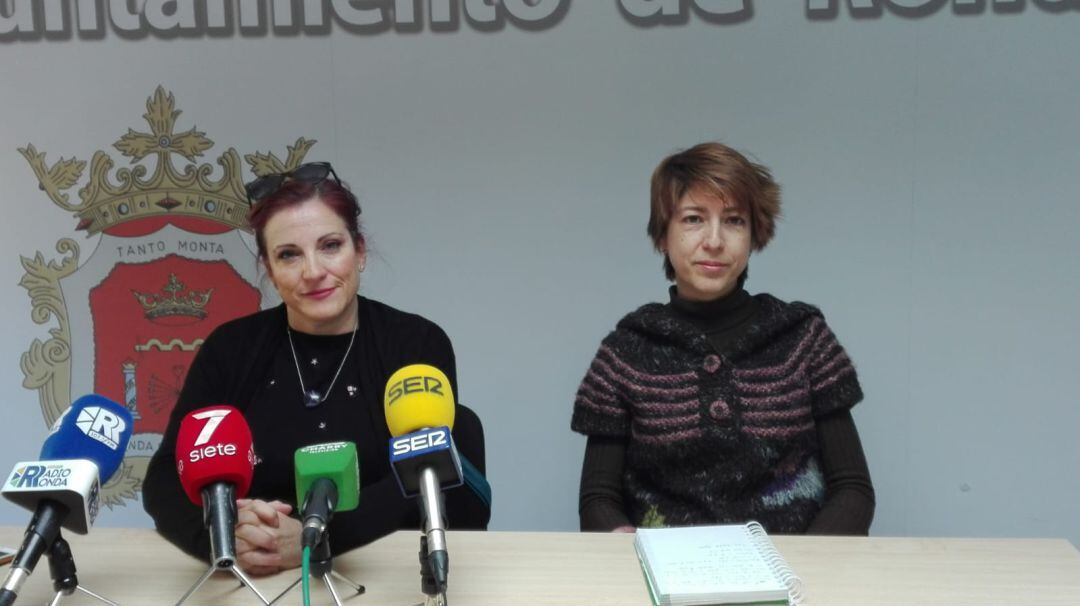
x=267 y=539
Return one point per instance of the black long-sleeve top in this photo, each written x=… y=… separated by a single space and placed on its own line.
x=248 y=363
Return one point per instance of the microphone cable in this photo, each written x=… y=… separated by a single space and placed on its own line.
x=305 y=574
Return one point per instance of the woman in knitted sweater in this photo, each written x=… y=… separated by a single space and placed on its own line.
x=720 y=407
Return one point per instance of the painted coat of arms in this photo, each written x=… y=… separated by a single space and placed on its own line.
x=171 y=263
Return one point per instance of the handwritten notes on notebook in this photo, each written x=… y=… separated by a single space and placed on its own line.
x=704 y=565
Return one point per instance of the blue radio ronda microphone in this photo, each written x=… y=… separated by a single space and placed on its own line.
x=83 y=450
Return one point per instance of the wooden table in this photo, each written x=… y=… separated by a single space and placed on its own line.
x=136 y=567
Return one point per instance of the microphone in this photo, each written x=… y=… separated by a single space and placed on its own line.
x=419 y=408
x=84 y=448
x=215 y=461
x=327 y=480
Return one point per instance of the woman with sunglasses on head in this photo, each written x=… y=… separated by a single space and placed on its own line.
x=309 y=371
x=720 y=407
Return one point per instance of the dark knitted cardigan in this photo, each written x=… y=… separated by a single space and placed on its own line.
x=714 y=439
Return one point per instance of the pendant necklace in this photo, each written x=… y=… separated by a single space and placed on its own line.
x=313 y=398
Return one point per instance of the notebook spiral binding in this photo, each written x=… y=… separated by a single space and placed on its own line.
x=776 y=562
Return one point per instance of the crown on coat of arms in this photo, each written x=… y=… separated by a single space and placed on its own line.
x=137 y=194
x=172 y=301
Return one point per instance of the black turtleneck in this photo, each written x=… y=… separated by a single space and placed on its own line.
x=849 y=493
x=723 y=320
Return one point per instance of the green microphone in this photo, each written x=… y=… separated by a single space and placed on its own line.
x=327 y=480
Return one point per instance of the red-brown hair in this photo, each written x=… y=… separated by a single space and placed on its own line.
x=335 y=195
x=723 y=172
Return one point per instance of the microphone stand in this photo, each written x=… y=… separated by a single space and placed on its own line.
x=434 y=527
x=322 y=567
x=434 y=595
x=62 y=570
x=222 y=537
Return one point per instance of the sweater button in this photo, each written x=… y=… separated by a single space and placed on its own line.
x=712 y=363
x=719 y=410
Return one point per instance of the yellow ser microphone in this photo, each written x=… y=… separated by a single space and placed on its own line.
x=419 y=407
x=418 y=396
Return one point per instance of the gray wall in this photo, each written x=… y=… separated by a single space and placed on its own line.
x=929 y=164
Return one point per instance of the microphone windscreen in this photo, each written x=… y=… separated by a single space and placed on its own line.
x=335 y=461
x=214 y=445
x=93 y=428
x=418 y=396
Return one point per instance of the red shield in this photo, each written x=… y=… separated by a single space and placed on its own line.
x=149 y=320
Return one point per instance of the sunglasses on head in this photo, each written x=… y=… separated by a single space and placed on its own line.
x=312 y=172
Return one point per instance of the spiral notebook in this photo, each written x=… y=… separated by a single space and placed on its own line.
x=709 y=565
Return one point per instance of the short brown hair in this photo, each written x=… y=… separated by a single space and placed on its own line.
x=723 y=172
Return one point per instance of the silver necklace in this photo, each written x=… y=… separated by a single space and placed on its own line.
x=313 y=398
